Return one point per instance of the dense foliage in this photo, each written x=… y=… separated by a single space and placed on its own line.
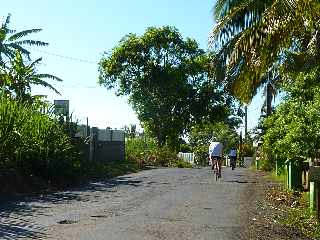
x=252 y=36
x=276 y=44
x=292 y=131
x=166 y=79
x=32 y=140
x=34 y=143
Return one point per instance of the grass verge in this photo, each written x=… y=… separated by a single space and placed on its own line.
x=292 y=208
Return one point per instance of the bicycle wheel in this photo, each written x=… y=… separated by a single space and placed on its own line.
x=216 y=172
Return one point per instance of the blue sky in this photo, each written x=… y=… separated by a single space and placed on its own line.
x=83 y=30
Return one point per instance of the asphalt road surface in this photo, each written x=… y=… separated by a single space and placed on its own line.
x=153 y=204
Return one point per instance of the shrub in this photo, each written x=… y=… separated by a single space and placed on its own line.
x=35 y=143
x=145 y=151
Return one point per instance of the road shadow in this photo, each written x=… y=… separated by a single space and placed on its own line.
x=15 y=223
x=17 y=215
x=239 y=181
x=10 y=231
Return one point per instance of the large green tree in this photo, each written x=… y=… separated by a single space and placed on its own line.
x=166 y=79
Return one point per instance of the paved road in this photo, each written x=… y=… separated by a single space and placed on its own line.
x=153 y=204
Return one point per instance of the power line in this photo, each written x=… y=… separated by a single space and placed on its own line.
x=65 y=57
x=75 y=86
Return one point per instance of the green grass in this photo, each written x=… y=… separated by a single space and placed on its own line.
x=302 y=219
x=180 y=164
x=279 y=178
x=298 y=217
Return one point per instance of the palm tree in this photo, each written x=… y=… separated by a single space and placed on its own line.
x=10 y=41
x=17 y=80
x=252 y=36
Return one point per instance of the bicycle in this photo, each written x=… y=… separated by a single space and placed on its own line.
x=232 y=162
x=215 y=167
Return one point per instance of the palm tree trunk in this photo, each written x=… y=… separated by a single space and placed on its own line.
x=269 y=99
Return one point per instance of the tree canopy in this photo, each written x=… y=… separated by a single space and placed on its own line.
x=252 y=36
x=167 y=80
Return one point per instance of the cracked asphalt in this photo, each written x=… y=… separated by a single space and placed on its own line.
x=154 y=204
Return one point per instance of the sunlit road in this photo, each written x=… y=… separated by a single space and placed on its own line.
x=154 y=204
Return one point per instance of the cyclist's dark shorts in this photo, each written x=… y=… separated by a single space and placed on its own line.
x=216 y=157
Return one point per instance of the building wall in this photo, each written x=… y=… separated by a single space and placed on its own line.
x=109 y=151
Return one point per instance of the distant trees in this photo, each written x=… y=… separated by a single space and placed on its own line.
x=167 y=80
x=130 y=130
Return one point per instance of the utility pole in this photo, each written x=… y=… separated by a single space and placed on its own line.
x=246 y=122
x=240 y=150
x=269 y=89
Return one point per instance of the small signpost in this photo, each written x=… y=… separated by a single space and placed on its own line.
x=61 y=107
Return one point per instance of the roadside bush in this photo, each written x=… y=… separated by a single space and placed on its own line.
x=139 y=149
x=163 y=156
x=34 y=143
x=145 y=152
x=185 y=148
x=292 y=130
x=179 y=163
x=247 y=150
x=201 y=154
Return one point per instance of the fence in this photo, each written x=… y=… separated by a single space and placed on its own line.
x=188 y=157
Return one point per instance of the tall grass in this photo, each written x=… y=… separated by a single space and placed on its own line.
x=34 y=142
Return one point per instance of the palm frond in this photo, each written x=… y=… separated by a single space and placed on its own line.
x=23 y=34
x=19 y=48
x=49 y=76
x=38 y=81
x=32 y=43
x=36 y=62
x=6 y=22
x=227 y=20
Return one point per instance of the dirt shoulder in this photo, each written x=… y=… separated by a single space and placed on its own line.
x=271 y=205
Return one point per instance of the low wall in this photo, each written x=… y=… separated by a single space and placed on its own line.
x=109 y=151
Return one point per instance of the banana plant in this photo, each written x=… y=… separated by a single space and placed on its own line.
x=19 y=78
x=11 y=41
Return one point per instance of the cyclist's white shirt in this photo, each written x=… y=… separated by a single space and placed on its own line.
x=215 y=149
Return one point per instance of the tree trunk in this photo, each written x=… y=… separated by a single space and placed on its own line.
x=269 y=99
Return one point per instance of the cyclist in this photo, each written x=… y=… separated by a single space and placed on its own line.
x=233 y=157
x=215 y=155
